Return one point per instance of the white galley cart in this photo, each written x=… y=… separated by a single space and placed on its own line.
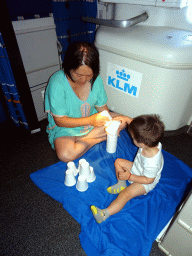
x=177 y=240
x=37 y=43
x=147 y=68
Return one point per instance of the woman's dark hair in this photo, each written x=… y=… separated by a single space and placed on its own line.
x=81 y=53
x=147 y=129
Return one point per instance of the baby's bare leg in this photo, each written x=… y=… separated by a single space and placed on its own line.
x=133 y=190
x=120 y=166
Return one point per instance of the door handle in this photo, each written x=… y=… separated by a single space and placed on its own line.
x=118 y=23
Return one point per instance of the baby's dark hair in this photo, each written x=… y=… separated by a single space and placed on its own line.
x=147 y=129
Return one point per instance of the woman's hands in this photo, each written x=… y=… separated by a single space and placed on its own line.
x=124 y=121
x=98 y=120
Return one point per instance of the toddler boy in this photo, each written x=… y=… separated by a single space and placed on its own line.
x=144 y=173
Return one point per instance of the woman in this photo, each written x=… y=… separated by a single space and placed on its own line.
x=74 y=98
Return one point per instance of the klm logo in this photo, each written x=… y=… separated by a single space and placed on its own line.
x=121 y=82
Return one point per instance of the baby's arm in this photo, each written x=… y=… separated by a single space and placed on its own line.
x=140 y=179
x=125 y=174
x=122 y=166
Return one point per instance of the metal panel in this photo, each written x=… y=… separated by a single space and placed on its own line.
x=41 y=76
x=178 y=239
x=38 y=99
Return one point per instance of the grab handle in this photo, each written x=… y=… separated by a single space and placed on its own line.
x=118 y=23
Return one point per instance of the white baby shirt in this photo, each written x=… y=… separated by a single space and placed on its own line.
x=148 y=167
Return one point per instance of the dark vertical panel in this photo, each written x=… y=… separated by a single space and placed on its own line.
x=3 y=108
x=18 y=70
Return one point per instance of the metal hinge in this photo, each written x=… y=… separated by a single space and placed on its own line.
x=189 y=131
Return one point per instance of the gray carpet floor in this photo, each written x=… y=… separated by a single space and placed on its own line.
x=31 y=222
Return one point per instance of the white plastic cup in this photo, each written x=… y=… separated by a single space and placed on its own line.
x=82 y=184
x=113 y=127
x=80 y=162
x=111 y=144
x=84 y=169
x=92 y=176
x=71 y=166
x=69 y=178
x=106 y=113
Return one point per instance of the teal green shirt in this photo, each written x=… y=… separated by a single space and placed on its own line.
x=60 y=100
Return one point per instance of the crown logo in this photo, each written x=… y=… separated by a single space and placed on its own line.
x=122 y=75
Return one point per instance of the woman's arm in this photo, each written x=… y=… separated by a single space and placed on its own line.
x=100 y=109
x=70 y=122
x=95 y=120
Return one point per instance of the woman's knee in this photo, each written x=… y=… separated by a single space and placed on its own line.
x=64 y=155
x=64 y=149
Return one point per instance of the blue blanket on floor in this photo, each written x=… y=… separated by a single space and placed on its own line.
x=131 y=231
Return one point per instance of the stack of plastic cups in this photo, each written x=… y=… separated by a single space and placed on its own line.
x=112 y=136
x=84 y=169
x=84 y=173
x=80 y=162
x=71 y=166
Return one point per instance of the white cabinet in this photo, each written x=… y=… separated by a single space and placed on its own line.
x=178 y=239
x=37 y=43
x=162 y=3
x=172 y=3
